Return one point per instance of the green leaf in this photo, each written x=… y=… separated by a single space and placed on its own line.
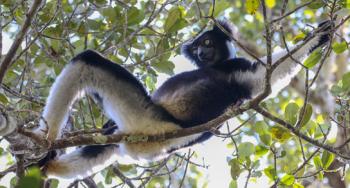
x=135 y=16
x=316 y=4
x=313 y=59
x=266 y=139
x=345 y=81
x=318 y=163
x=166 y=67
x=307 y=115
x=252 y=6
x=348 y=4
x=311 y=128
x=339 y=48
x=3 y=99
x=336 y=90
x=233 y=184
x=256 y=174
x=291 y=113
x=260 y=127
x=150 y=82
x=246 y=149
x=175 y=20
x=235 y=169
x=110 y=13
x=31 y=179
x=270 y=172
x=261 y=150
x=287 y=179
x=220 y=6
x=83 y=28
x=327 y=159
x=125 y=167
x=299 y=37
x=280 y=134
x=109 y=176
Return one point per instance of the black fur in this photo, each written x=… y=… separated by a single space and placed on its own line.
x=92 y=151
x=218 y=48
x=93 y=58
x=205 y=92
x=324 y=26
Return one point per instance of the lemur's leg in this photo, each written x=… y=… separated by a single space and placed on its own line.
x=122 y=96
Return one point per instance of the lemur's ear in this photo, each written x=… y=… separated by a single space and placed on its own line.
x=227 y=26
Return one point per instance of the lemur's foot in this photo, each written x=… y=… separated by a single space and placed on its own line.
x=238 y=103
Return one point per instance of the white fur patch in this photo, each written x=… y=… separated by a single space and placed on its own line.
x=281 y=76
x=74 y=166
x=231 y=48
x=123 y=103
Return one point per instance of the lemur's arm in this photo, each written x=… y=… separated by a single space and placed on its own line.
x=285 y=71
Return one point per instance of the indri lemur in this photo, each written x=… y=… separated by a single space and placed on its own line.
x=185 y=100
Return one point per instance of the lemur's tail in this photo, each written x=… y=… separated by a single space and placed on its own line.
x=82 y=162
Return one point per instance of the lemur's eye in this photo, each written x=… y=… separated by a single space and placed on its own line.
x=207 y=42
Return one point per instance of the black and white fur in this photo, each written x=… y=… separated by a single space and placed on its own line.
x=211 y=46
x=185 y=100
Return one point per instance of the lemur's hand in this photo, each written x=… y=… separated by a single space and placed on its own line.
x=324 y=29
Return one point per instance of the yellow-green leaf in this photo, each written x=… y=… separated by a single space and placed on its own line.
x=252 y=6
x=233 y=184
x=261 y=150
x=318 y=162
x=270 y=3
x=246 y=149
x=266 y=139
x=297 y=185
x=280 y=134
x=175 y=20
x=327 y=159
x=270 y=172
x=235 y=169
x=298 y=37
x=307 y=115
x=291 y=113
x=31 y=179
x=314 y=58
x=287 y=179
x=339 y=47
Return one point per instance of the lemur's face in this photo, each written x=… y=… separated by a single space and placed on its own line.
x=203 y=49
x=208 y=48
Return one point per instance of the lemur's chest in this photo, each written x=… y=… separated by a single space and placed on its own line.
x=200 y=100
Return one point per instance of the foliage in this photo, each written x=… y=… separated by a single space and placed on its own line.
x=144 y=36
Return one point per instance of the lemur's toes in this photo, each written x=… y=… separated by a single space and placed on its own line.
x=326 y=25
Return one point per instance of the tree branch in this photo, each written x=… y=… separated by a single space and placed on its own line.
x=6 y=63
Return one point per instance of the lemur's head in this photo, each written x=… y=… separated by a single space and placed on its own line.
x=211 y=47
